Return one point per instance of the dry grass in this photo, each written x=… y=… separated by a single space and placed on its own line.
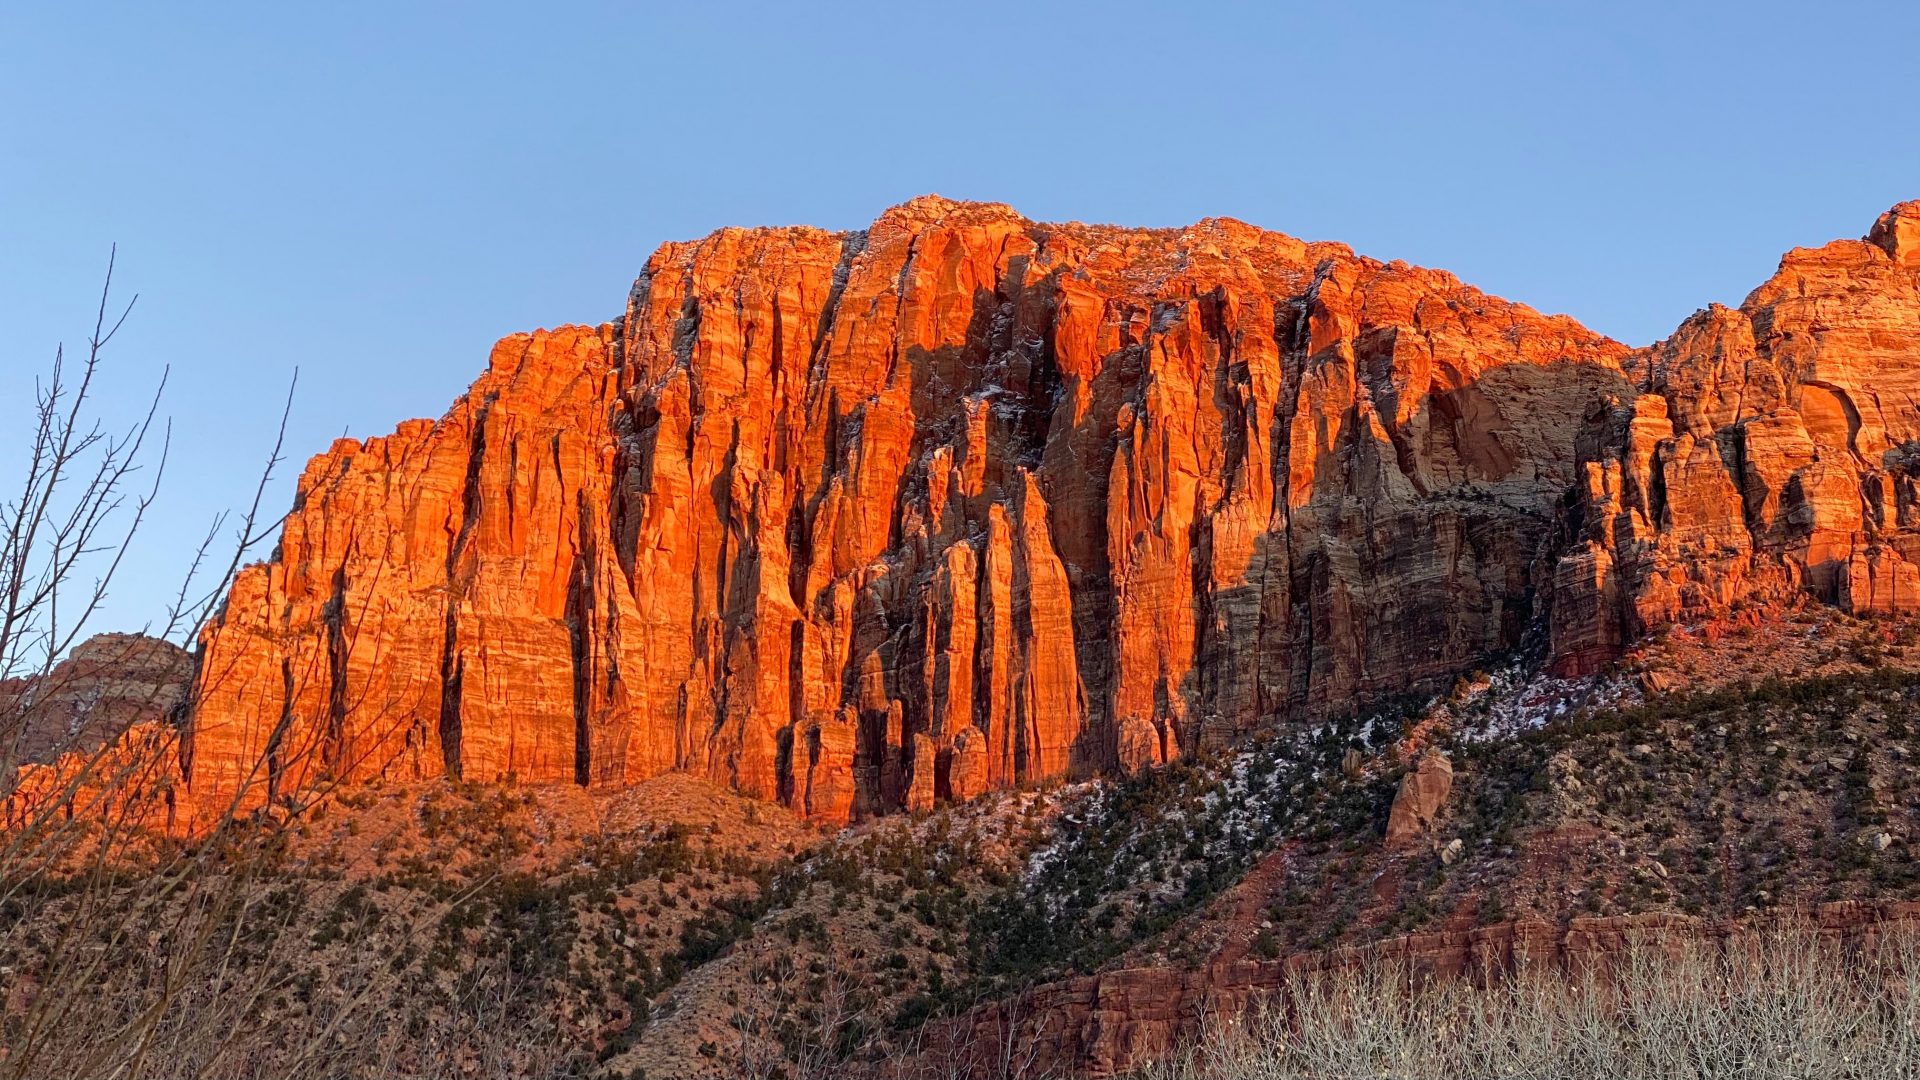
x=1783 y=1004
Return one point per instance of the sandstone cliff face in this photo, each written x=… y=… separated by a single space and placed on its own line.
x=424 y=612
x=1766 y=450
x=868 y=520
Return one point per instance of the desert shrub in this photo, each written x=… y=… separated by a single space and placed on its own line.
x=1782 y=1003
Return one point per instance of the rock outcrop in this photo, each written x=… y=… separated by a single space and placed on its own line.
x=1118 y=1021
x=95 y=734
x=107 y=684
x=1768 y=450
x=1422 y=795
x=871 y=520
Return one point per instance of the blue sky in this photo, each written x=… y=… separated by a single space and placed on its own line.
x=374 y=193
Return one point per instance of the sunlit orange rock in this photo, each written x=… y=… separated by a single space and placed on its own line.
x=1769 y=450
x=866 y=521
x=1422 y=795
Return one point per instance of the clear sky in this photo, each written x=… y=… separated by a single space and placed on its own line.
x=373 y=193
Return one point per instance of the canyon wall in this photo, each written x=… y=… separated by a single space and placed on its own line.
x=866 y=521
x=860 y=521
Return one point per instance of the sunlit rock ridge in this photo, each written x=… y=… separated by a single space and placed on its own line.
x=865 y=521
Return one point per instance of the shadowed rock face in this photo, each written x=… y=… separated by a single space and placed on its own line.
x=861 y=521
x=104 y=686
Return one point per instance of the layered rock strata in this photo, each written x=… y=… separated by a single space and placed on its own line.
x=867 y=521
x=107 y=684
x=94 y=736
x=1121 y=1020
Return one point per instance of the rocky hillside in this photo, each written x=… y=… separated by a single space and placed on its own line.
x=879 y=520
x=1752 y=767
x=1510 y=822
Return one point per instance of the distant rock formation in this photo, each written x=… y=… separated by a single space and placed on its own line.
x=107 y=684
x=1422 y=795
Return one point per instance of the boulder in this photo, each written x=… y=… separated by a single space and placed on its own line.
x=1422 y=795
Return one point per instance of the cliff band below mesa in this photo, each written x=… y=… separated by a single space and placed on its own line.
x=865 y=521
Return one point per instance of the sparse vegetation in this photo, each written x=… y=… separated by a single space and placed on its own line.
x=1783 y=1004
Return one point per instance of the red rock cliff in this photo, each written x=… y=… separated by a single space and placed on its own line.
x=1768 y=450
x=865 y=520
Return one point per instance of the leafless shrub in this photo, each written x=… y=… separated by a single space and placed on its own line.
x=794 y=1026
x=125 y=951
x=1783 y=1003
x=1019 y=1043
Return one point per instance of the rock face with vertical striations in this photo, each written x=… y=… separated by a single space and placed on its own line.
x=869 y=521
x=1768 y=450
x=432 y=607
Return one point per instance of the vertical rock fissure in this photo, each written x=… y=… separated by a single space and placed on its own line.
x=452 y=671
x=183 y=716
x=276 y=742
x=1295 y=629
x=983 y=645
x=335 y=617
x=579 y=618
x=630 y=481
x=452 y=664
x=850 y=248
x=512 y=499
